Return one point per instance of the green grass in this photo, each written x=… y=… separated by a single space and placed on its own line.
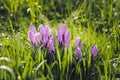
x=95 y=22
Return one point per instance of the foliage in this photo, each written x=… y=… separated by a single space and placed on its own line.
x=95 y=22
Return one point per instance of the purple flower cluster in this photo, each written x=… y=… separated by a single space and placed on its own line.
x=79 y=46
x=44 y=38
x=63 y=36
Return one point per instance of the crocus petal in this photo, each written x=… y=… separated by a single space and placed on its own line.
x=42 y=30
x=64 y=29
x=78 y=53
x=37 y=39
x=51 y=45
x=59 y=36
x=32 y=28
x=31 y=37
x=67 y=39
x=47 y=28
x=45 y=40
x=94 y=51
x=77 y=41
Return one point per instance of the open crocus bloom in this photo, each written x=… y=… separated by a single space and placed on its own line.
x=63 y=36
x=78 y=53
x=94 y=51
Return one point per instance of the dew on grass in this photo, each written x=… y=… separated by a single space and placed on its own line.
x=1 y=44
x=28 y=10
x=3 y=34
x=11 y=14
x=119 y=25
x=19 y=77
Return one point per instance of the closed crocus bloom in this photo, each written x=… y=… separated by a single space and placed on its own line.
x=78 y=53
x=32 y=28
x=94 y=51
x=51 y=45
x=60 y=36
x=67 y=39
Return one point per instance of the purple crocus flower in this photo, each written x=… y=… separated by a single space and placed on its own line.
x=78 y=53
x=94 y=51
x=48 y=30
x=34 y=36
x=60 y=38
x=51 y=45
x=67 y=39
x=45 y=34
x=64 y=30
x=63 y=36
x=78 y=42
x=32 y=28
x=37 y=39
x=42 y=30
x=31 y=37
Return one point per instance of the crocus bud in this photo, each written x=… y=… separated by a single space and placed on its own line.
x=94 y=51
x=78 y=53
x=51 y=45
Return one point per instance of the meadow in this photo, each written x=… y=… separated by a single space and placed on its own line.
x=59 y=39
